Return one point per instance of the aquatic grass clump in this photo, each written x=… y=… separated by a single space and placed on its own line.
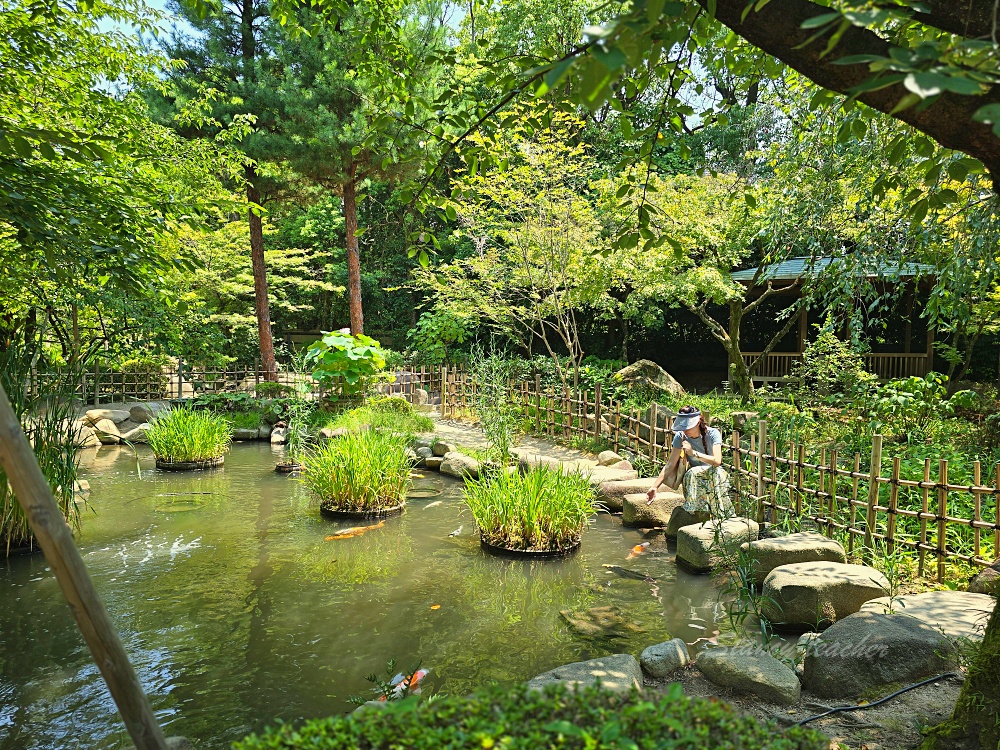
x=542 y=510
x=393 y=414
x=361 y=472
x=187 y=436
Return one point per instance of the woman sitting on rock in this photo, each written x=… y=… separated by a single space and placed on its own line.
x=706 y=484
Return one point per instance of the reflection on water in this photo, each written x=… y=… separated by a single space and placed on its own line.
x=237 y=610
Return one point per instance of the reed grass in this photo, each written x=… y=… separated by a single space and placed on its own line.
x=360 y=472
x=384 y=414
x=44 y=407
x=184 y=435
x=540 y=510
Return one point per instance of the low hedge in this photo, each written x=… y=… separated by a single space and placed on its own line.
x=499 y=717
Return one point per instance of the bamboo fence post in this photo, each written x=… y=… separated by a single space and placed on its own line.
x=893 y=502
x=874 y=474
x=977 y=505
x=565 y=412
x=597 y=412
x=925 y=492
x=996 y=507
x=772 y=491
x=822 y=488
x=617 y=429
x=653 y=409
x=761 y=449
x=444 y=391
x=97 y=384
x=538 y=403
x=853 y=520
x=56 y=540
x=799 y=476
x=832 y=521
x=736 y=470
x=942 y=514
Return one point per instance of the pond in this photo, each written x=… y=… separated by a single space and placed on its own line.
x=237 y=610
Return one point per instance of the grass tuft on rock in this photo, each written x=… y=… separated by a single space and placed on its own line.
x=184 y=435
x=504 y=717
x=540 y=510
x=360 y=472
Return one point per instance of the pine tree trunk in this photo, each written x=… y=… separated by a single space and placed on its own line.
x=975 y=724
x=353 y=257
x=261 y=304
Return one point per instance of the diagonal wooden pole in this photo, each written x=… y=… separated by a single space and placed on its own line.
x=56 y=540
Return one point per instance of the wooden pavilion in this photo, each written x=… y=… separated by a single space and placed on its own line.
x=787 y=279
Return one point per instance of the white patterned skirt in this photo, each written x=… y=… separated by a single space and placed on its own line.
x=706 y=489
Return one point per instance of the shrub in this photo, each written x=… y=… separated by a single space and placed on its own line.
x=831 y=367
x=499 y=416
x=182 y=435
x=360 y=472
x=391 y=417
x=345 y=363
x=390 y=404
x=270 y=389
x=501 y=717
x=245 y=420
x=540 y=510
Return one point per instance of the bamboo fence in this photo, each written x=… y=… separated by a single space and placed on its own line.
x=866 y=501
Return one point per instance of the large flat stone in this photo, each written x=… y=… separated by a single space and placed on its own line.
x=608 y=458
x=866 y=652
x=140 y=434
x=807 y=546
x=600 y=474
x=817 y=594
x=107 y=431
x=636 y=513
x=957 y=614
x=612 y=492
x=679 y=518
x=114 y=415
x=746 y=669
x=700 y=547
x=618 y=673
x=142 y=413
x=986 y=580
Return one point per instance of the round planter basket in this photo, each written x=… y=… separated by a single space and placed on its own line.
x=362 y=515
x=530 y=554
x=210 y=463
x=287 y=468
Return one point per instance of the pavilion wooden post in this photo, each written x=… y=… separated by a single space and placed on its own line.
x=56 y=540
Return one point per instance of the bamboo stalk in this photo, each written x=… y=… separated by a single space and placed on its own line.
x=893 y=502
x=799 y=479
x=977 y=503
x=833 y=494
x=56 y=540
x=773 y=490
x=921 y=554
x=538 y=402
x=761 y=448
x=874 y=474
x=942 y=524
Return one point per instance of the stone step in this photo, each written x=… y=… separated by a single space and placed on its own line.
x=746 y=669
x=612 y=492
x=957 y=614
x=814 y=595
x=702 y=546
x=617 y=672
x=807 y=546
x=637 y=514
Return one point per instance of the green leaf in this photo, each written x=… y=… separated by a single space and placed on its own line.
x=821 y=20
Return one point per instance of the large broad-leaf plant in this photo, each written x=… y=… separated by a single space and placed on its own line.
x=345 y=364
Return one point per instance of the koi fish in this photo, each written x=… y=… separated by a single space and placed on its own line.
x=637 y=550
x=432 y=505
x=353 y=531
x=409 y=684
x=626 y=573
x=456 y=532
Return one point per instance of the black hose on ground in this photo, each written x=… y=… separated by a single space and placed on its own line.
x=841 y=709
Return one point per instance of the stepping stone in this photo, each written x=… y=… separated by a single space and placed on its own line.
x=807 y=546
x=866 y=652
x=637 y=514
x=817 y=594
x=142 y=413
x=618 y=673
x=114 y=415
x=139 y=434
x=107 y=431
x=608 y=458
x=434 y=462
x=600 y=474
x=679 y=518
x=459 y=465
x=243 y=433
x=441 y=448
x=663 y=658
x=957 y=614
x=746 y=669
x=612 y=492
x=701 y=547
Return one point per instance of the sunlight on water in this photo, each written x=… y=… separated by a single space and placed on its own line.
x=236 y=609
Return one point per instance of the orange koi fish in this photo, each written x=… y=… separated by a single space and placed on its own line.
x=409 y=684
x=354 y=531
x=637 y=550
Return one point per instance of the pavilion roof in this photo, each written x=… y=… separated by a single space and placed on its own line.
x=795 y=269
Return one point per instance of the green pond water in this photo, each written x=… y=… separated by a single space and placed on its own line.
x=237 y=611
